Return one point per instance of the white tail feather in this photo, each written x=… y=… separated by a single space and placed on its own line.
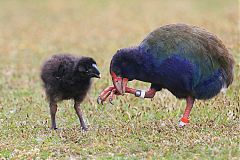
x=224 y=88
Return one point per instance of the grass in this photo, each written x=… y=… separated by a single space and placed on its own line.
x=31 y=31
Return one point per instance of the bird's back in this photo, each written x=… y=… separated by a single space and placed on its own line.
x=200 y=47
x=56 y=67
x=189 y=60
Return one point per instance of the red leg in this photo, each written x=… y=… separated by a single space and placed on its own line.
x=150 y=93
x=111 y=91
x=138 y=93
x=185 y=118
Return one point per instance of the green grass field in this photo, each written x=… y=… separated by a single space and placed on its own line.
x=31 y=31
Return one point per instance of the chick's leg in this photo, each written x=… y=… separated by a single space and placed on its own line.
x=185 y=119
x=53 y=110
x=80 y=115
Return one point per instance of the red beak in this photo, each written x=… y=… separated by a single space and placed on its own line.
x=119 y=83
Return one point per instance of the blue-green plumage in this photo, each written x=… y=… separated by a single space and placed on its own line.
x=186 y=60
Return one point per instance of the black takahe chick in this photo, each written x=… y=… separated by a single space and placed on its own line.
x=68 y=77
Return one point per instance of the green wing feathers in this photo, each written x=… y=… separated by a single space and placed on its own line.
x=197 y=45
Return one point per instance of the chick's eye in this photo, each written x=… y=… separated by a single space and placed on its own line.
x=88 y=69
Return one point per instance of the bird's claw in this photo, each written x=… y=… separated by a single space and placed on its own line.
x=54 y=128
x=111 y=101
x=84 y=129
x=111 y=96
x=99 y=101
x=103 y=97
x=108 y=92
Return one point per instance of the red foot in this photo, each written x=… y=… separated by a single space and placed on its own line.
x=110 y=91
x=183 y=122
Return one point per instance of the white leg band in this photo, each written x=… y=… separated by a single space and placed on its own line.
x=142 y=93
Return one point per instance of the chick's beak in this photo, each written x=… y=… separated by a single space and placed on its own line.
x=95 y=72
x=119 y=83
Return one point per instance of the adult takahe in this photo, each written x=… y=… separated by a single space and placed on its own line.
x=188 y=61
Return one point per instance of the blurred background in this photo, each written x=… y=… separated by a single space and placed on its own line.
x=31 y=31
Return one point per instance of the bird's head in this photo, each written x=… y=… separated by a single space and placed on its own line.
x=87 y=68
x=123 y=68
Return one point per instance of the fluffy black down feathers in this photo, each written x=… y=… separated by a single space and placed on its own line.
x=62 y=78
x=68 y=77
